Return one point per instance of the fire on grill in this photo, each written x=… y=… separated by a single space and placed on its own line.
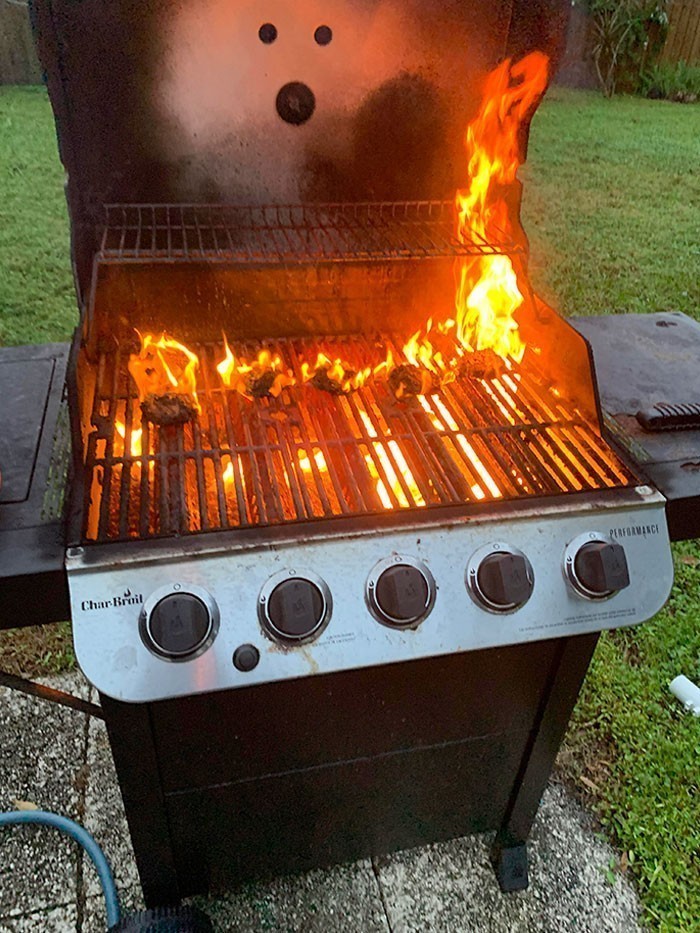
x=211 y=434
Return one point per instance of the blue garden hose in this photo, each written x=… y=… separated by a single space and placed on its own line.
x=81 y=835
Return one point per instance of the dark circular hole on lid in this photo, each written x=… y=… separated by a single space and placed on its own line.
x=323 y=35
x=267 y=33
x=296 y=103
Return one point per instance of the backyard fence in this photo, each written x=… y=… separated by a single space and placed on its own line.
x=683 y=41
x=19 y=65
x=18 y=61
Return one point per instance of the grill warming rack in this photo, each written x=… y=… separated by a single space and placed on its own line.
x=291 y=234
x=309 y=455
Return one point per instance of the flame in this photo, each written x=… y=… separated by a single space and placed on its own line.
x=136 y=435
x=337 y=372
x=227 y=367
x=164 y=366
x=442 y=420
x=386 y=366
x=488 y=295
x=418 y=349
x=382 y=453
x=242 y=374
x=319 y=459
x=228 y=475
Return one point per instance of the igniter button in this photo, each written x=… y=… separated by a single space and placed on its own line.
x=246 y=658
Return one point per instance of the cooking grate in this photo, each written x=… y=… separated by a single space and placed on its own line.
x=291 y=234
x=310 y=455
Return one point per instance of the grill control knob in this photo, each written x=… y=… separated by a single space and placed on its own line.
x=500 y=578
x=596 y=566
x=294 y=608
x=400 y=592
x=178 y=624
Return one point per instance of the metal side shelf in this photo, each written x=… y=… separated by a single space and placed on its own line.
x=647 y=371
x=34 y=465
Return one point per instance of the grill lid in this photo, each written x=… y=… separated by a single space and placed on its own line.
x=229 y=101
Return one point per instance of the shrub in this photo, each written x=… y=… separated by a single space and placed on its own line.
x=627 y=34
x=679 y=82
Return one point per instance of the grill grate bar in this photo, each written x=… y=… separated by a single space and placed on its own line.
x=290 y=234
x=308 y=455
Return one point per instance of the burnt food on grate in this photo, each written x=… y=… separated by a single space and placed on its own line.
x=168 y=409
x=321 y=380
x=481 y=364
x=407 y=381
x=258 y=384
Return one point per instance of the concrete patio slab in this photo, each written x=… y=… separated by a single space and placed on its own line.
x=48 y=921
x=104 y=813
x=61 y=760
x=344 y=898
x=450 y=886
x=42 y=756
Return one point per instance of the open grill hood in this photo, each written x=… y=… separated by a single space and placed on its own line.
x=174 y=101
x=286 y=173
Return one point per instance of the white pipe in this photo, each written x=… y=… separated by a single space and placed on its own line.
x=687 y=692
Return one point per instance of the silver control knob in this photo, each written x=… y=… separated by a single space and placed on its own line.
x=179 y=623
x=500 y=578
x=596 y=566
x=294 y=607
x=400 y=592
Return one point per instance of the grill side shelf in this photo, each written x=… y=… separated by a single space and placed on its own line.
x=647 y=368
x=33 y=585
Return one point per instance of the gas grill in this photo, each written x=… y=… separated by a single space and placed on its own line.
x=338 y=589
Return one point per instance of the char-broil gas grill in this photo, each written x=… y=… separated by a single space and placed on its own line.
x=337 y=561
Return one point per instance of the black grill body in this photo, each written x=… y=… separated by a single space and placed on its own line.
x=227 y=787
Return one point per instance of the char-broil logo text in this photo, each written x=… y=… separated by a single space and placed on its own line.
x=127 y=598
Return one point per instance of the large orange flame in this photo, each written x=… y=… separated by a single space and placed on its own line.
x=163 y=366
x=488 y=295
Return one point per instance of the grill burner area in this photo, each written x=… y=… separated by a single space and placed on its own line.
x=311 y=455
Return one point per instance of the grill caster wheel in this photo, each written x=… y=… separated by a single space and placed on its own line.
x=165 y=920
x=510 y=866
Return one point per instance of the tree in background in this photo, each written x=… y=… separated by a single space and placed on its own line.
x=628 y=35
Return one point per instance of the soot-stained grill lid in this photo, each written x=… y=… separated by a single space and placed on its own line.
x=239 y=102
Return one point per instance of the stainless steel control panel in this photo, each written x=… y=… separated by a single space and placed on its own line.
x=151 y=629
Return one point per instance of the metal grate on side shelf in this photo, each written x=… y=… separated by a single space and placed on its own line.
x=290 y=233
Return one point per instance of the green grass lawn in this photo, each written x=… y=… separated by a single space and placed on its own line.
x=37 y=301
x=612 y=207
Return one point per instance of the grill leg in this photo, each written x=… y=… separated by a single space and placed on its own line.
x=134 y=753
x=509 y=851
x=510 y=865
